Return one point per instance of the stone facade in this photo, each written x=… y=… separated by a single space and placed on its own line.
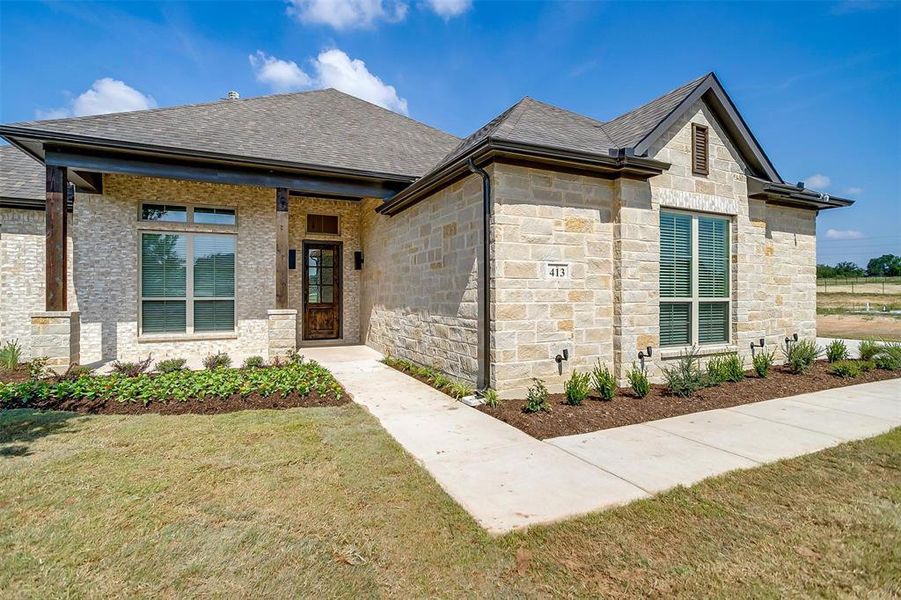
x=22 y=279
x=420 y=279
x=55 y=335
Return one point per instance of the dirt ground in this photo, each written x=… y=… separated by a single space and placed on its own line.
x=858 y=327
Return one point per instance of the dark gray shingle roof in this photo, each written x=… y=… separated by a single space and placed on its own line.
x=323 y=127
x=21 y=177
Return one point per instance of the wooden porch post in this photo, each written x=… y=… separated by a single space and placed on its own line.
x=56 y=246
x=281 y=248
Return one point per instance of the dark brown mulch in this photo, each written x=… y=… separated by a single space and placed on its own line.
x=16 y=375
x=625 y=409
x=206 y=406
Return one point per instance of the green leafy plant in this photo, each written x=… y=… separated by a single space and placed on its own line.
x=868 y=349
x=253 y=362
x=219 y=360
x=799 y=356
x=75 y=372
x=576 y=388
x=848 y=369
x=537 y=398
x=603 y=381
x=178 y=386
x=491 y=398
x=638 y=381
x=889 y=357
x=433 y=377
x=836 y=351
x=763 y=362
x=10 y=354
x=170 y=365
x=458 y=390
x=685 y=377
x=725 y=367
x=295 y=357
x=131 y=369
x=37 y=367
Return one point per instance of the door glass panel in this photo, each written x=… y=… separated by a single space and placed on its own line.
x=314 y=276
x=327 y=258
x=328 y=276
x=313 y=295
x=328 y=295
x=315 y=257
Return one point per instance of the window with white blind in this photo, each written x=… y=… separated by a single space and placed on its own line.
x=187 y=282
x=695 y=295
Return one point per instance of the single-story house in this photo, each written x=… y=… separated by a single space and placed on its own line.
x=542 y=243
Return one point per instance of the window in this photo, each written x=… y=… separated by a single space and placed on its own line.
x=699 y=150
x=185 y=296
x=695 y=297
x=322 y=224
x=168 y=213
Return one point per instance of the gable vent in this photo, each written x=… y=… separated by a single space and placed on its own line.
x=699 y=150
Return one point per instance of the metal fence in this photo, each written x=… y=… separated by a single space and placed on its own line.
x=860 y=285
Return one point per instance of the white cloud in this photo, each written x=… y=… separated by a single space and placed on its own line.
x=106 y=95
x=449 y=8
x=844 y=234
x=853 y=191
x=280 y=75
x=818 y=182
x=332 y=69
x=347 y=14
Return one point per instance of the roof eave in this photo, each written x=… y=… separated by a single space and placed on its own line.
x=789 y=195
x=491 y=149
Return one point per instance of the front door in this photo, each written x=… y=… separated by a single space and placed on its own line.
x=321 y=291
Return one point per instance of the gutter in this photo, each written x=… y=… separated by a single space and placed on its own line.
x=484 y=379
x=793 y=195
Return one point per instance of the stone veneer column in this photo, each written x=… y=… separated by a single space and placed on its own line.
x=282 y=331
x=636 y=265
x=55 y=335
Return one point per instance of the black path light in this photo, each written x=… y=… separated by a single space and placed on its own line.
x=760 y=344
x=642 y=354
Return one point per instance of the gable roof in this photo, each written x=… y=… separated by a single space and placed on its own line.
x=21 y=179
x=325 y=128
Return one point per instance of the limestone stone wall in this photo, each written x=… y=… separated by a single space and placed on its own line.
x=22 y=280
x=420 y=282
x=543 y=218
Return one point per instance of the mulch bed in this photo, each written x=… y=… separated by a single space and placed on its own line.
x=625 y=409
x=207 y=406
x=16 y=375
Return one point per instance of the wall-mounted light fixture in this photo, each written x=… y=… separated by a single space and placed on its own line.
x=643 y=354
x=564 y=355
x=358 y=260
x=760 y=344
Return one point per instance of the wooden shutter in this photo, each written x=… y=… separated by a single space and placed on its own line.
x=322 y=224
x=699 y=150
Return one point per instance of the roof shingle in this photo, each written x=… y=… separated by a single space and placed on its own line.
x=21 y=177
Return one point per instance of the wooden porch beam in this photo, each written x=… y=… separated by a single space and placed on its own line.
x=281 y=248
x=56 y=227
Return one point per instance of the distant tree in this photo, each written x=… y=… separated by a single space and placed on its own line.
x=848 y=269
x=825 y=272
x=887 y=265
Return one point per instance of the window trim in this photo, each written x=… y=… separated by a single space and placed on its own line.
x=189 y=214
x=189 y=298
x=695 y=300
x=695 y=127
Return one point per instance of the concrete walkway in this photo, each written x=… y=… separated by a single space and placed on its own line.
x=507 y=479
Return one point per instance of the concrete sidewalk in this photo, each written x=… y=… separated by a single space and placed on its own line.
x=507 y=479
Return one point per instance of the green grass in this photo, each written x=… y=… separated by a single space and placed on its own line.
x=322 y=503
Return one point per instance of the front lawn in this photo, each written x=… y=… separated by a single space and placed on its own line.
x=320 y=502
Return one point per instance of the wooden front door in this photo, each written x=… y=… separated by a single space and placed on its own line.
x=321 y=291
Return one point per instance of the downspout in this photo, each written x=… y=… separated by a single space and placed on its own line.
x=484 y=379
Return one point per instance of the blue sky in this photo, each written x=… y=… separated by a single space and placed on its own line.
x=818 y=82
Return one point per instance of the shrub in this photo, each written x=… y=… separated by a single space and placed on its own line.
x=603 y=382
x=868 y=349
x=75 y=372
x=638 y=381
x=889 y=357
x=37 y=367
x=178 y=386
x=131 y=369
x=725 y=367
x=848 y=369
x=537 y=398
x=799 y=356
x=295 y=357
x=458 y=390
x=170 y=365
x=836 y=351
x=685 y=377
x=763 y=361
x=219 y=360
x=253 y=362
x=491 y=398
x=576 y=388
x=10 y=354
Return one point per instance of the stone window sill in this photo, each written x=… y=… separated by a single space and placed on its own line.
x=670 y=353
x=195 y=337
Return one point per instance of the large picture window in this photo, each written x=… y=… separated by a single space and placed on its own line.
x=187 y=282
x=695 y=295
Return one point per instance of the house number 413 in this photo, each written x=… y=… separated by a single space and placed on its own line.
x=557 y=270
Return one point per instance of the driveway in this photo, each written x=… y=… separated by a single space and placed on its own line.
x=508 y=480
